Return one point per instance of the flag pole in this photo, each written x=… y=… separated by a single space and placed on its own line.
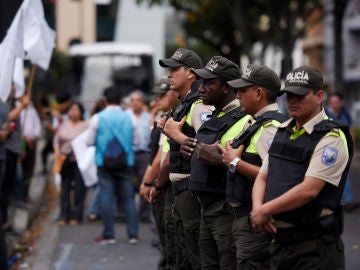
x=28 y=92
x=31 y=80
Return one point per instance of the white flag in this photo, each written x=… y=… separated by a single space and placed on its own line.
x=28 y=32
x=18 y=77
x=11 y=47
x=39 y=38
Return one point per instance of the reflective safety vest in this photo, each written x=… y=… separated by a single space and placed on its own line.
x=239 y=186
x=288 y=161
x=210 y=178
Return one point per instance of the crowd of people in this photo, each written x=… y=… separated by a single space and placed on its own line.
x=230 y=181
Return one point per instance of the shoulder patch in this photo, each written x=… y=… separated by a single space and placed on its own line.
x=204 y=117
x=329 y=155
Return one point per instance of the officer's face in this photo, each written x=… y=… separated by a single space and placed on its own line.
x=178 y=77
x=249 y=97
x=304 y=107
x=212 y=91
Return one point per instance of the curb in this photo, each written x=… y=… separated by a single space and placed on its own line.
x=22 y=216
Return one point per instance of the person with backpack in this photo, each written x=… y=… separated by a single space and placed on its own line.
x=111 y=131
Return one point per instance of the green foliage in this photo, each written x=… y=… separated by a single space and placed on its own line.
x=231 y=27
x=59 y=65
x=357 y=133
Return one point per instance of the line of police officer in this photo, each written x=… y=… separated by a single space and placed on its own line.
x=250 y=189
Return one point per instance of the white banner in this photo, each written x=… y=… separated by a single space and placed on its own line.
x=28 y=32
x=85 y=158
x=11 y=47
x=39 y=38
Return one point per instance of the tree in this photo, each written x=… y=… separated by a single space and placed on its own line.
x=231 y=27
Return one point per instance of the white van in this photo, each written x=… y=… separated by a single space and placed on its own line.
x=95 y=66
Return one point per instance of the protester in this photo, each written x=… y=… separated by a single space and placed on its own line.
x=51 y=122
x=64 y=101
x=31 y=132
x=94 y=206
x=257 y=90
x=336 y=110
x=208 y=174
x=114 y=124
x=297 y=193
x=13 y=150
x=71 y=207
x=4 y=133
x=184 y=122
x=141 y=120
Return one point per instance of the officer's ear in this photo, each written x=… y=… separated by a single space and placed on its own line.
x=260 y=92
x=190 y=75
x=320 y=96
x=227 y=89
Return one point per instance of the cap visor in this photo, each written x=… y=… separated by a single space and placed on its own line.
x=239 y=83
x=297 y=90
x=169 y=62
x=204 y=73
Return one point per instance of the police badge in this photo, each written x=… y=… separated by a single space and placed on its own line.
x=204 y=117
x=329 y=155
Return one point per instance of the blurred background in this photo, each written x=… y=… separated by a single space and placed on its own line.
x=281 y=34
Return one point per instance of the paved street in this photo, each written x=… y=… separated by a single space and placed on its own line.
x=72 y=248
x=351 y=235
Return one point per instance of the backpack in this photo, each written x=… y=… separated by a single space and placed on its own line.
x=114 y=157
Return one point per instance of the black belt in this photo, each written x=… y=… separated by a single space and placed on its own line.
x=239 y=211
x=181 y=185
x=293 y=235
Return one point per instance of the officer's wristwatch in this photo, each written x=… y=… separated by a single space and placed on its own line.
x=232 y=165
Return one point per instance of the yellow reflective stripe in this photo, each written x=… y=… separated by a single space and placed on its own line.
x=166 y=145
x=297 y=134
x=254 y=139
x=220 y=114
x=234 y=130
x=188 y=116
x=342 y=136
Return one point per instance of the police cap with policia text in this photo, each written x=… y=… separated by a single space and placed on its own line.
x=219 y=67
x=182 y=57
x=302 y=80
x=258 y=75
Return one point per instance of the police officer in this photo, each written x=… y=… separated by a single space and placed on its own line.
x=162 y=105
x=208 y=174
x=258 y=88
x=184 y=122
x=297 y=193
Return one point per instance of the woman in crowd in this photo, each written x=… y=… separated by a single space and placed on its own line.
x=70 y=211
